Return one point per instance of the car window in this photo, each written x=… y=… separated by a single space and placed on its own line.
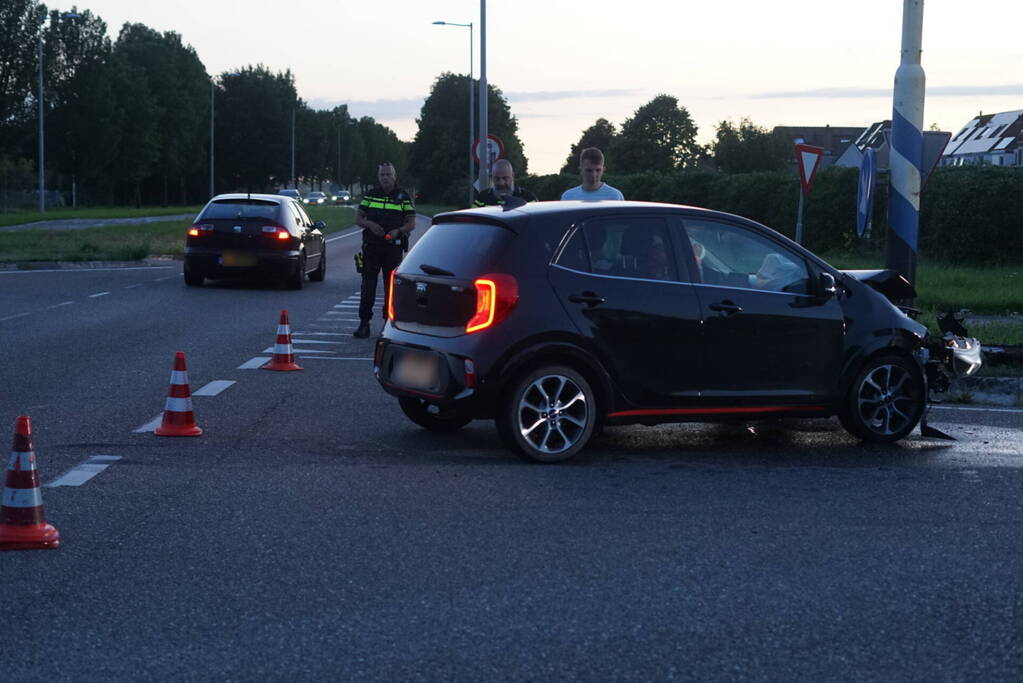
x=574 y=254
x=733 y=256
x=630 y=246
x=293 y=207
x=465 y=249
x=235 y=209
x=303 y=215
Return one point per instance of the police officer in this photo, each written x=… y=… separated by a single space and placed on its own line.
x=386 y=216
x=504 y=188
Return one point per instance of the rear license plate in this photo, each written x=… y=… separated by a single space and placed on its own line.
x=238 y=259
x=416 y=370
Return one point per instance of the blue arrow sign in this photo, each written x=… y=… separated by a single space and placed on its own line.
x=865 y=192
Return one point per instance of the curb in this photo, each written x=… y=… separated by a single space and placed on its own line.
x=1003 y=391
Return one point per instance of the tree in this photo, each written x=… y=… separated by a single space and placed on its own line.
x=600 y=135
x=747 y=148
x=21 y=23
x=438 y=154
x=660 y=136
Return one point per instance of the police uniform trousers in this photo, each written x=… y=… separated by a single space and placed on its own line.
x=377 y=259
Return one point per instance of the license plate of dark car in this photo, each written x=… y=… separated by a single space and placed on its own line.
x=416 y=370
x=238 y=259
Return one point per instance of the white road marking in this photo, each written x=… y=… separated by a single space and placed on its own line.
x=16 y=315
x=254 y=363
x=214 y=387
x=333 y=358
x=137 y=284
x=151 y=425
x=81 y=270
x=161 y=279
x=347 y=234
x=311 y=341
x=62 y=303
x=351 y=305
x=77 y=476
x=981 y=410
x=320 y=334
x=294 y=350
x=97 y=294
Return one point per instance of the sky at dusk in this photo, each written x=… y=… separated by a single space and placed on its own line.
x=562 y=64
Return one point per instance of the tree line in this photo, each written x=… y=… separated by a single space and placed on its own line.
x=128 y=121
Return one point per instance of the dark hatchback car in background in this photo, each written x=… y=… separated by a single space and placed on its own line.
x=255 y=235
x=557 y=318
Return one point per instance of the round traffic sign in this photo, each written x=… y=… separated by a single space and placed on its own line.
x=495 y=149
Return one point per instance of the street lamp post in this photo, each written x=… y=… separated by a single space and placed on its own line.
x=42 y=152
x=484 y=179
x=472 y=122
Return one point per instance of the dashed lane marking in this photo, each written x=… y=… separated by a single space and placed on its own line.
x=318 y=334
x=98 y=294
x=16 y=315
x=310 y=341
x=80 y=474
x=334 y=358
x=294 y=350
x=62 y=303
x=214 y=387
x=151 y=425
x=347 y=234
x=254 y=363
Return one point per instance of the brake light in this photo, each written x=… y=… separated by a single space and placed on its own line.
x=197 y=229
x=276 y=231
x=496 y=296
x=390 y=297
x=193 y=232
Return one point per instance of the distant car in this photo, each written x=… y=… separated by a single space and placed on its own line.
x=556 y=318
x=315 y=198
x=342 y=197
x=290 y=192
x=267 y=235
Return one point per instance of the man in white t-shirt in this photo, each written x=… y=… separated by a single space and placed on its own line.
x=591 y=168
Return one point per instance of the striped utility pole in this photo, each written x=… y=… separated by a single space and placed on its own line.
x=484 y=150
x=907 y=145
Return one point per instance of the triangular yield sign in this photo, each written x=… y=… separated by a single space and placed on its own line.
x=808 y=158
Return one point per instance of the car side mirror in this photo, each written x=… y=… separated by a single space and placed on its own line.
x=827 y=284
x=320 y=225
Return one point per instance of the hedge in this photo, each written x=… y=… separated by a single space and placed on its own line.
x=969 y=214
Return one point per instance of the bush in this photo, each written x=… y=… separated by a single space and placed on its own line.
x=968 y=214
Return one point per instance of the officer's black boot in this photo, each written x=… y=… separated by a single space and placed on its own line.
x=363 y=330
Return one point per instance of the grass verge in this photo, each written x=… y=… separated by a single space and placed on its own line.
x=62 y=213
x=122 y=242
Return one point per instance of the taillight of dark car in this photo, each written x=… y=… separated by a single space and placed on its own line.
x=277 y=233
x=496 y=296
x=199 y=228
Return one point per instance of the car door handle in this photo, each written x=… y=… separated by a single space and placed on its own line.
x=726 y=307
x=588 y=298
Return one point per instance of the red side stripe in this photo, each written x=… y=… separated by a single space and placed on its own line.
x=716 y=411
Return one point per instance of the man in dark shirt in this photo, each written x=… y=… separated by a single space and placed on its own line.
x=386 y=216
x=504 y=190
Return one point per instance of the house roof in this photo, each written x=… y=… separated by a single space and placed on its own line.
x=988 y=133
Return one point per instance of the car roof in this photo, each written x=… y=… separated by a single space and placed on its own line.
x=244 y=195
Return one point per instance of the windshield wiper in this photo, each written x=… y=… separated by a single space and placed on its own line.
x=434 y=270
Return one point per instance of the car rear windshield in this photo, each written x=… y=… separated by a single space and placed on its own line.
x=234 y=209
x=465 y=249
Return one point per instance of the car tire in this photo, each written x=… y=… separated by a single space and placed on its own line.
x=321 y=270
x=549 y=414
x=297 y=277
x=193 y=278
x=432 y=417
x=885 y=401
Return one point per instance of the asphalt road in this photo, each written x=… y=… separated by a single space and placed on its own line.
x=313 y=532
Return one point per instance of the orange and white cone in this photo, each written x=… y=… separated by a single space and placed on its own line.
x=178 y=419
x=22 y=521
x=283 y=358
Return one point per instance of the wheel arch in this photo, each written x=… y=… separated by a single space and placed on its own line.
x=560 y=353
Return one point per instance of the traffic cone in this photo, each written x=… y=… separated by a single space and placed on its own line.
x=22 y=522
x=178 y=419
x=283 y=358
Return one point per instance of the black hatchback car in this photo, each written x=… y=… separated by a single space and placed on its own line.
x=556 y=318
x=255 y=235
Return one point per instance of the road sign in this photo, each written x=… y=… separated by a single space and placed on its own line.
x=808 y=158
x=865 y=192
x=495 y=149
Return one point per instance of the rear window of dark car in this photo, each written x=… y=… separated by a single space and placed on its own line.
x=235 y=209
x=465 y=249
